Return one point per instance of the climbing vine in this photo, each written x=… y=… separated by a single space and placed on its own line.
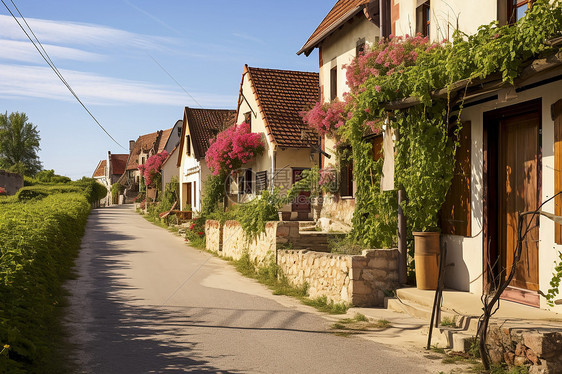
x=412 y=67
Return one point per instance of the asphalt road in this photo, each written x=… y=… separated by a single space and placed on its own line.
x=145 y=302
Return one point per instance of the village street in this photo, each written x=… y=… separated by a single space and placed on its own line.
x=144 y=302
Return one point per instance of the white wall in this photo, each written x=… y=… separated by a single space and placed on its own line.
x=338 y=50
x=170 y=168
x=444 y=16
x=467 y=253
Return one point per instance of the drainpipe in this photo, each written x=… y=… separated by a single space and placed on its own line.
x=273 y=167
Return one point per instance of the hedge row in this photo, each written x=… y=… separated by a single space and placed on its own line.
x=39 y=240
x=91 y=189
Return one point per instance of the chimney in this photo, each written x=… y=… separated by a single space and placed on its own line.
x=109 y=166
x=131 y=145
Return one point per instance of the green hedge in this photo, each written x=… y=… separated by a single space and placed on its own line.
x=91 y=189
x=39 y=240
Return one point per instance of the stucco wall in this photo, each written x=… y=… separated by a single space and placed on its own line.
x=12 y=182
x=444 y=16
x=467 y=253
x=170 y=168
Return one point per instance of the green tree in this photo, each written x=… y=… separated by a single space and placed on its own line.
x=19 y=144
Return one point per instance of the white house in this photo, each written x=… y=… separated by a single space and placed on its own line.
x=510 y=156
x=200 y=125
x=271 y=102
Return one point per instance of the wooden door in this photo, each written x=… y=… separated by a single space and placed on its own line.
x=301 y=203
x=518 y=191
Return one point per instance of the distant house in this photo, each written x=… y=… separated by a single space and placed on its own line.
x=200 y=125
x=110 y=170
x=271 y=101
x=169 y=167
x=140 y=150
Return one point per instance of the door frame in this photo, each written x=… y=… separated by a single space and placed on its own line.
x=491 y=141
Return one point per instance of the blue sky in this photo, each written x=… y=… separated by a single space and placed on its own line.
x=109 y=52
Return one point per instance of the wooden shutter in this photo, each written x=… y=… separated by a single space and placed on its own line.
x=261 y=181
x=377 y=147
x=556 y=111
x=455 y=213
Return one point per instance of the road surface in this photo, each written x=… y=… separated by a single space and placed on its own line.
x=145 y=302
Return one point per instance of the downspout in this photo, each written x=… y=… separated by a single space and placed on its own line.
x=273 y=167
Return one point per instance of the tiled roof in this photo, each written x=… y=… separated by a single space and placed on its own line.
x=118 y=163
x=340 y=13
x=164 y=139
x=144 y=143
x=281 y=96
x=100 y=170
x=204 y=124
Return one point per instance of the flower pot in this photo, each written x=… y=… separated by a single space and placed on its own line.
x=427 y=254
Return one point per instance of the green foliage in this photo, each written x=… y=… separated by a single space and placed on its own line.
x=555 y=282
x=91 y=189
x=254 y=215
x=49 y=176
x=423 y=163
x=171 y=193
x=271 y=276
x=213 y=194
x=19 y=144
x=116 y=190
x=322 y=304
x=38 y=242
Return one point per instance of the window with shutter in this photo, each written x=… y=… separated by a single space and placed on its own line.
x=455 y=213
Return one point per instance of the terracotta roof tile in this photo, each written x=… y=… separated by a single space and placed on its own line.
x=341 y=12
x=144 y=143
x=282 y=95
x=204 y=124
x=118 y=163
x=164 y=139
x=100 y=170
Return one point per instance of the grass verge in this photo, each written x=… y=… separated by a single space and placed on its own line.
x=272 y=277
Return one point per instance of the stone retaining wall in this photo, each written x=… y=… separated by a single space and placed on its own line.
x=540 y=350
x=12 y=182
x=358 y=280
x=213 y=236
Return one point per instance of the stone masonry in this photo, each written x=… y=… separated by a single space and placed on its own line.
x=359 y=280
x=541 y=351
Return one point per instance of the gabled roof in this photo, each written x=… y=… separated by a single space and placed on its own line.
x=164 y=139
x=342 y=12
x=204 y=124
x=281 y=96
x=118 y=163
x=144 y=143
x=100 y=170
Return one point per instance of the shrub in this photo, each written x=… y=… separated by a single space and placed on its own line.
x=38 y=242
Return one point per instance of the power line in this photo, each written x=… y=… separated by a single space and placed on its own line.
x=174 y=79
x=51 y=64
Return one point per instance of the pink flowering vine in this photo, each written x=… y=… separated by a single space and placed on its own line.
x=150 y=170
x=385 y=58
x=326 y=118
x=233 y=148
